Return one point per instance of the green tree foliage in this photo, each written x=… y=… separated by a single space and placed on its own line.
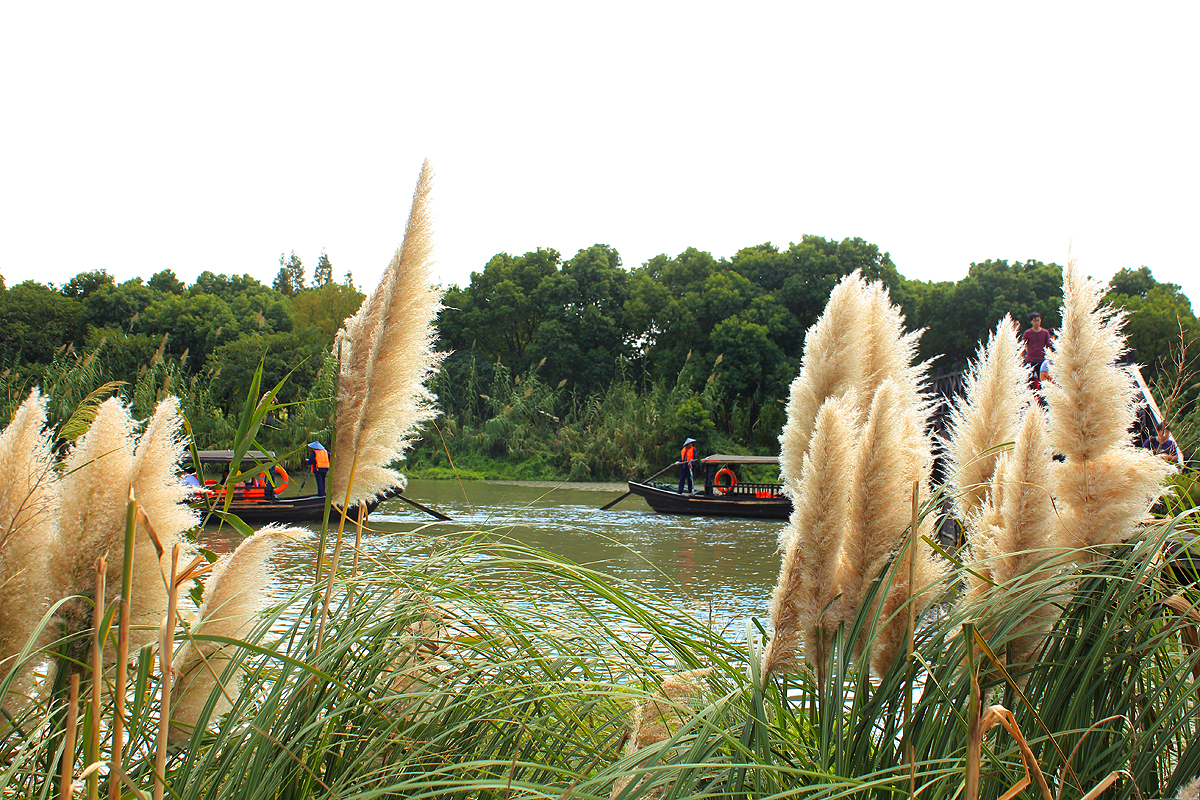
x=323 y=274
x=326 y=307
x=290 y=278
x=958 y=316
x=110 y=305
x=701 y=341
x=121 y=352
x=228 y=287
x=233 y=364
x=166 y=282
x=499 y=312
x=85 y=283
x=1160 y=316
x=580 y=338
x=731 y=329
x=38 y=322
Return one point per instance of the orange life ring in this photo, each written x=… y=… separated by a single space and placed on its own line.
x=722 y=488
x=282 y=477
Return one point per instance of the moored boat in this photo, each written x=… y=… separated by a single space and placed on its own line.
x=724 y=493
x=261 y=504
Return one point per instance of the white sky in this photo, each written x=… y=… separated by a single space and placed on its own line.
x=138 y=137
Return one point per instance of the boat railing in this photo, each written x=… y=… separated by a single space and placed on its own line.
x=761 y=491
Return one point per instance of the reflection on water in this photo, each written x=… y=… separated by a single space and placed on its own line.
x=719 y=568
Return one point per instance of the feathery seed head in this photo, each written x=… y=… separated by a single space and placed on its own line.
x=233 y=595
x=887 y=463
x=1103 y=500
x=808 y=573
x=831 y=360
x=1106 y=486
x=95 y=494
x=986 y=415
x=161 y=495
x=386 y=356
x=887 y=351
x=1091 y=398
x=29 y=506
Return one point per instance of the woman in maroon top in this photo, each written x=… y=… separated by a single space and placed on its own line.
x=1036 y=338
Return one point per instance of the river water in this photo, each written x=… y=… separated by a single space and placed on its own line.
x=721 y=569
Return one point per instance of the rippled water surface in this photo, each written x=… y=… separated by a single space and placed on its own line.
x=720 y=568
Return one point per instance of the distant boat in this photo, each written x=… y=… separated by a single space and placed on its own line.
x=258 y=505
x=723 y=492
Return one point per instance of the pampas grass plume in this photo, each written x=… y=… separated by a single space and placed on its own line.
x=161 y=495
x=29 y=507
x=1027 y=544
x=1014 y=539
x=658 y=718
x=1106 y=486
x=831 y=360
x=880 y=502
x=386 y=356
x=986 y=415
x=1026 y=534
x=808 y=573
x=100 y=471
x=95 y=494
x=1090 y=399
x=1191 y=791
x=233 y=595
x=887 y=351
x=891 y=639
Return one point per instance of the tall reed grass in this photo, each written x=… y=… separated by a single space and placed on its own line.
x=465 y=666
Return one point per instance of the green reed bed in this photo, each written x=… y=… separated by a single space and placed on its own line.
x=1055 y=656
x=435 y=678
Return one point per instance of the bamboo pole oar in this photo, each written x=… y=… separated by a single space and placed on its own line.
x=652 y=477
x=429 y=511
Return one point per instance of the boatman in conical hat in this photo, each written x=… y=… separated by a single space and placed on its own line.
x=318 y=465
x=687 y=456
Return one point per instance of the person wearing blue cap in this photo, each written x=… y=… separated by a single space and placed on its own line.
x=318 y=465
x=686 y=457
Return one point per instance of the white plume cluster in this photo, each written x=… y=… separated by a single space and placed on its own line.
x=829 y=367
x=387 y=354
x=58 y=519
x=102 y=468
x=30 y=502
x=1027 y=516
x=986 y=416
x=233 y=595
x=853 y=446
x=1106 y=486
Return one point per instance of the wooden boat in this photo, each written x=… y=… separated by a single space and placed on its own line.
x=257 y=506
x=723 y=493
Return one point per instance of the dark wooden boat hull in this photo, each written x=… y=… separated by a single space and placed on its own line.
x=309 y=508
x=666 y=501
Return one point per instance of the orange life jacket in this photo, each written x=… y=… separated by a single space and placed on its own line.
x=688 y=453
x=322 y=459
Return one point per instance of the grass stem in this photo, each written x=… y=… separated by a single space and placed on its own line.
x=165 y=656
x=98 y=636
x=67 y=767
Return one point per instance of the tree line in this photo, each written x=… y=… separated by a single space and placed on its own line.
x=551 y=357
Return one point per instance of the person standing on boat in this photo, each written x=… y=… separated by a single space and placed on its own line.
x=1035 y=338
x=686 y=458
x=318 y=465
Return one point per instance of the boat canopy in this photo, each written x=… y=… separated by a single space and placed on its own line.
x=724 y=459
x=226 y=456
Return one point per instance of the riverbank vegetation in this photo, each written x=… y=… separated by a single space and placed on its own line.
x=575 y=368
x=1053 y=657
